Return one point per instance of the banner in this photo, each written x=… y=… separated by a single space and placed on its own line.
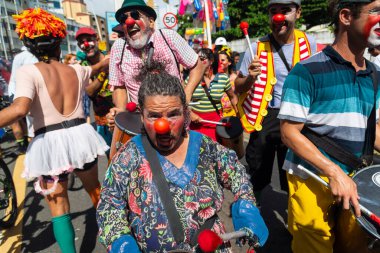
x=111 y=23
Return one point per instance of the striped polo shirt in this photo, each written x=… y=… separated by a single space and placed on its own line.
x=331 y=98
x=219 y=85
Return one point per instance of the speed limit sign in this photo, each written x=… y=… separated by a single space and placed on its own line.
x=170 y=20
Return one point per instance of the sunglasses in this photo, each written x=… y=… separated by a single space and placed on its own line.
x=133 y=14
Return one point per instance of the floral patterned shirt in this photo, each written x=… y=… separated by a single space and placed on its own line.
x=130 y=203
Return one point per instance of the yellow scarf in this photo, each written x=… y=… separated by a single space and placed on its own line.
x=253 y=103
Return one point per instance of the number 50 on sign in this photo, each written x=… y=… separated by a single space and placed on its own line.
x=170 y=20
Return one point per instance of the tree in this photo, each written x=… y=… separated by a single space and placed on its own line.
x=314 y=12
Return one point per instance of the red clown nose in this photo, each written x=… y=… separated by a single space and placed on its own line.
x=86 y=44
x=162 y=126
x=278 y=19
x=130 y=21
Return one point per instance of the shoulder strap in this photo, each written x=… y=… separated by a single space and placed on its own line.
x=210 y=98
x=175 y=58
x=164 y=191
x=332 y=149
x=279 y=51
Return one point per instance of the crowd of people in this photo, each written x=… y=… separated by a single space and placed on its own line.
x=165 y=185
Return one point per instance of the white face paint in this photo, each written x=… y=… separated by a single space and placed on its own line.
x=374 y=36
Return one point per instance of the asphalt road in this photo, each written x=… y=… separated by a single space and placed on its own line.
x=33 y=232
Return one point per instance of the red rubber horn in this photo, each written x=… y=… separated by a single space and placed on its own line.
x=244 y=27
x=209 y=241
x=131 y=107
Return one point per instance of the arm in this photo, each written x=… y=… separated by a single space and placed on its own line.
x=342 y=186
x=245 y=215
x=244 y=83
x=95 y=85
x=377 y=140
x=101 y=66
x=112 y=210
x=195 y=76
x=17 y=110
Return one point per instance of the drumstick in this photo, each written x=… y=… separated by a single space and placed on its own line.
x=244 y=27
x=363 y=209
x=209 y=241
x=226 y=124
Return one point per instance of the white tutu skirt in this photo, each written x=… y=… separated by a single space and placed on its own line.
x=63 y=150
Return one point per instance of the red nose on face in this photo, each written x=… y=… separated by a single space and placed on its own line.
x=130 y=21
x=162 y=126
x=278 y=19
x=86 y=44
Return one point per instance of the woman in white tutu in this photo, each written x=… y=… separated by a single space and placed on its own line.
x=52 y=92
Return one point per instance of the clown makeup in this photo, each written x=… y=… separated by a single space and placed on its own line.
x=291 y=14
x=169 y=108
x=372 y=28
x=139 y=33
x=88 y=45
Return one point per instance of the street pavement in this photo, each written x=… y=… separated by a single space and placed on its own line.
x=33 y=231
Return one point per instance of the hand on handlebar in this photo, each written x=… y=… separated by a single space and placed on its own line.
x=246 y=216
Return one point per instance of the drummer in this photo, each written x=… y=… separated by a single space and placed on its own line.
x=129 y=52
x=209 y=93
x=319 y=219
x=131 y=215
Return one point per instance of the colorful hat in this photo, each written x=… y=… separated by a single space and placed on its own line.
x=85 y=30
x=297 y=2
x=34 y=23
x=135 y=5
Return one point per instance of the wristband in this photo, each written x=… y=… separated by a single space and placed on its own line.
x=101 y=77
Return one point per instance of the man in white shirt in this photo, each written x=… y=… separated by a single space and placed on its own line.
x=21 y=135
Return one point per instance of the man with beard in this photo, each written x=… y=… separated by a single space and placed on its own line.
x=98 y=90
x=331 y=94
x=260 y=82
x=141 y=40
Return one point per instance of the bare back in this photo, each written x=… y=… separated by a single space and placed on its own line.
x=62 y=85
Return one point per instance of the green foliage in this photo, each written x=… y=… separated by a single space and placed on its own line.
x=314 y=12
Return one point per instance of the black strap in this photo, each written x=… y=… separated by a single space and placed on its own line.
x=279 y=51
x=207 y=225
x=122 y=54
x=210 y=98
x=164 y=191
x=333 y=149
x=175 y=58
x=342 y=155
x=63 y=124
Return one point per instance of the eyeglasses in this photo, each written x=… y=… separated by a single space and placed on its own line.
x=133 y=14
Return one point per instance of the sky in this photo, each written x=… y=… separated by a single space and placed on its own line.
x=100 y=6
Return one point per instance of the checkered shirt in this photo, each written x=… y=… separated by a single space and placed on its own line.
x=123 y=74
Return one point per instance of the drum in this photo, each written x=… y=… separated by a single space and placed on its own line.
x=368 y=185
x=231 y=136
x=127 y=125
